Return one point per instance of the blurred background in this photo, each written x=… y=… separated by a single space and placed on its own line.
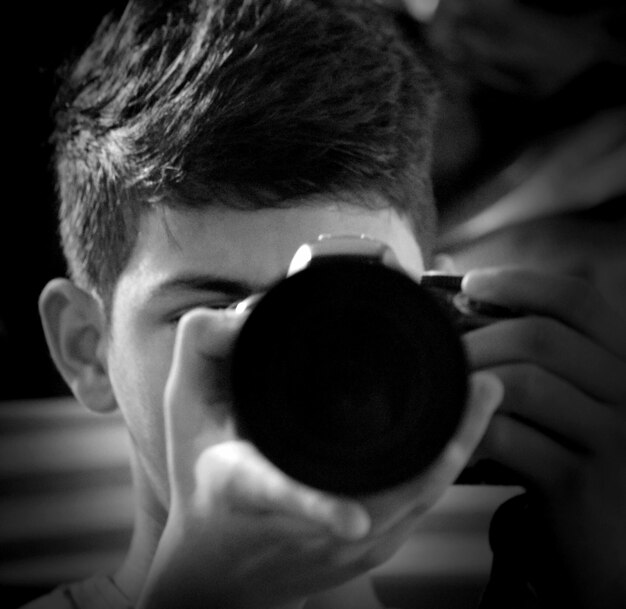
x=43 y=34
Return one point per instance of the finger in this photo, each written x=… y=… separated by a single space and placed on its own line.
x=486 y=393
x=573 y=301
x=549 y=344
x=410 y=500
x=252 y=483
x=196 y=393
x=541 y=463
x=559 y=409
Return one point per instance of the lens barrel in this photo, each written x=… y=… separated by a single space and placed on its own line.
x=349 y=376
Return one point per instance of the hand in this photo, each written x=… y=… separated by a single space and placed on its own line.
x=240 y=533
x=562 y=424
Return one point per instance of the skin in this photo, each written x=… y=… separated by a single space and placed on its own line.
x=216 y=523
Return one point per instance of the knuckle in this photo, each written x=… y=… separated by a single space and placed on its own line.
x=581 y=298
x=191 y=321
x=537 y=338
x=310 y=502
x=532 y=385
x=210 y=332
x=523 y=383
x=221 y=465
x=191 y=327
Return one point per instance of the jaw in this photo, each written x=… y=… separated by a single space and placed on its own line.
x=150 y=518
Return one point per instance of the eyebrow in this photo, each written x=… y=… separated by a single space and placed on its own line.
x=206 y=283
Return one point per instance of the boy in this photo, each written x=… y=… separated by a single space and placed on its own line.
x=198 y=144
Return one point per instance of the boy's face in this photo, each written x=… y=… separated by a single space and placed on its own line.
x=210 y=258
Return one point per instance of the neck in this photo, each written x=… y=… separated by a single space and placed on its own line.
x=150 y=518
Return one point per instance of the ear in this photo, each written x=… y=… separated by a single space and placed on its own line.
x=75 y=329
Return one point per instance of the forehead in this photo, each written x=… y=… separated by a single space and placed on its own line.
x=253 y=247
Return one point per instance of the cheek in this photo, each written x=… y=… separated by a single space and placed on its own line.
x=138 y=372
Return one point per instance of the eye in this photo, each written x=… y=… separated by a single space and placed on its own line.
x=223 y=304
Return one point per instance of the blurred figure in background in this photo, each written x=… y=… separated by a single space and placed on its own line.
x=530 y=153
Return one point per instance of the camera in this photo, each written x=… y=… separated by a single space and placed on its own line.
x=350 y=375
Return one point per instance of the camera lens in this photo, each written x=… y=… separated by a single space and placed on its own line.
x=349 y=376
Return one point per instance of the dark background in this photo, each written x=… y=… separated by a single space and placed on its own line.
x=37 y=36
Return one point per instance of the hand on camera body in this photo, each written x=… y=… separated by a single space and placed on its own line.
x=561 y=427
x=240 y=532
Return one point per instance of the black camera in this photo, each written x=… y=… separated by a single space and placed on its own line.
x=348 y=374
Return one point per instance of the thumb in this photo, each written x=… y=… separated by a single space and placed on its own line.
x=197 y=397
x=486 y=393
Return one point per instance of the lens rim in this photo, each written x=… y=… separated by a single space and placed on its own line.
x=385 y=461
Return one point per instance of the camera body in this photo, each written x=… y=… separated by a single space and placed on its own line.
x=348 y=374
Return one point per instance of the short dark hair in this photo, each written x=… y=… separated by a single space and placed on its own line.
x=245 y=102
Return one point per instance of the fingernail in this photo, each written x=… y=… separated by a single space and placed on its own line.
x=476 y=280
